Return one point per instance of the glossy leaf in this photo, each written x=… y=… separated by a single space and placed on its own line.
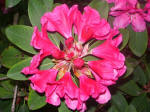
x=96 y=44
x=4 y=93
x=101 y=6
x=20 y=35
x=125 y=35
x=46 y=64
x=56 y=38
x=11 y=56
x=139 y=76
x=120 y=102
x=63 y=108
x=11 y=3
x=131 y=88
x=138 y=42
x=131 y=63
x=141 y=103
x=24 y=20
x=113 y=109
x=147 y=66
x=130 y=108
x=15 y=71
x=36 y=9
x=35 y=100
x=7 y=84
x=5 y=105
x=23 y=108
x=90 y=58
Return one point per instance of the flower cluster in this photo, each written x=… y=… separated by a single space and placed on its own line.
x=94 y=77
x=130 y=12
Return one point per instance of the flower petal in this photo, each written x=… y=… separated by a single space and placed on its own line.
x=41 y=78
x=138 y=23
x=90 y=88
x=104 y=69
x=60 y=20
x=35 y=62
x=104 y=98
x=122 y=21
x=53 y=99
x=71 y=103
x=86 y=24
x=41 y=41
x=109 y=51
x=69 y=87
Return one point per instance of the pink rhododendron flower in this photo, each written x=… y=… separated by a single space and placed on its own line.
x=93 y=76
x=129 y=12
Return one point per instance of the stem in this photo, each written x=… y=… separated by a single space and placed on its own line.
x=15 y=19
x=3 y=78
x=14 y=99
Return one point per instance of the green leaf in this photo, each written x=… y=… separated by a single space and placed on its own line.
x=96 y=44
x=11 y=56
x=63 y=108
x=3 y=45
x=2 y=75
x=56 y=38
x=131 y=63
x=130 y=108
x=24 y=20
x=20 y=35
x=5 y=105
x=141 y=103
x=147 y=66
x=35 y=101
x=7 y=84
x=112 y=109
x=23 y=108
x=120 y=102
x=139 y=76
x=15 y=71
x=11 y=3
x=90 y=58
x=138 y=42
x=46 y=64
x=5 y=93
x=125 y=34
x=131 y=88
x=36 y=9
x=101 y=6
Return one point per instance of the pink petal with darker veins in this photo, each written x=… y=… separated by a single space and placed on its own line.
x=81 y=106
x=102 y=30
x=41 y=78
x=104 y=69
x=60 y=20
x=67 y=86
x=53 y=99
x=122 y=70
x=71 y=103
x=138 y=23
x=41 y=41
x=86 y=24
x=102 y=81
x=119 y=5
x=105 y=97
x=109 y=51
x=90 y=88
x=122 y=21
x=35 y=62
